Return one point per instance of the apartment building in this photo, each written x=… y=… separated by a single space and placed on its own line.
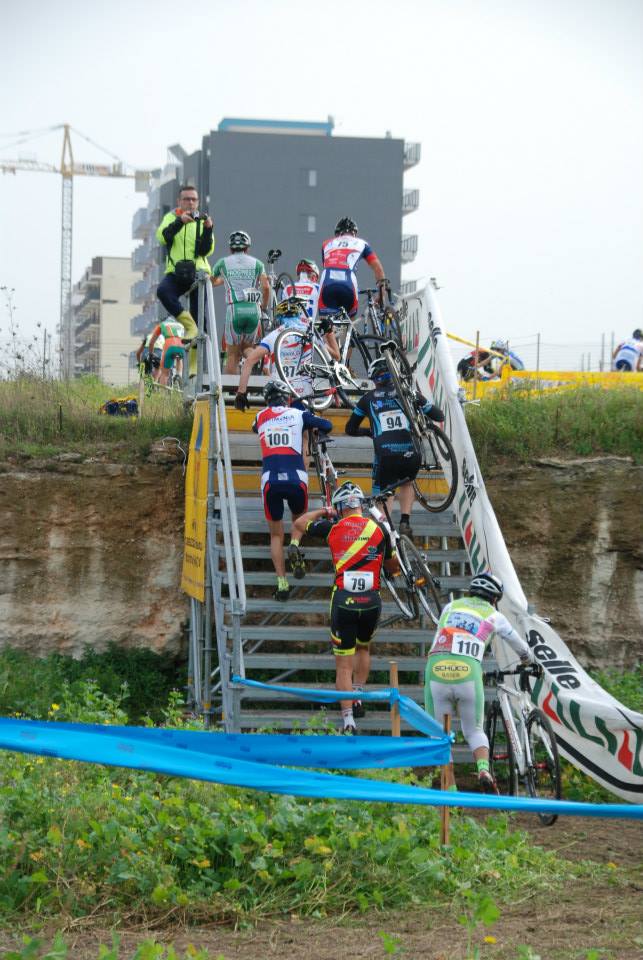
x=102 y=314
x=286 y=183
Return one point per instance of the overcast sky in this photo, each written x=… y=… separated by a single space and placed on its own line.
x=529 y=112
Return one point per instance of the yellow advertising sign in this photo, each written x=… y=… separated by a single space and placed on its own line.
x=196 y=504
x=451 y=670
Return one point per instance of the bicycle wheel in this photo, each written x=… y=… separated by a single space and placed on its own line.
x=368 y=347
x=437 y=479
x=543 y=776
x=392 y=328
x=421 y=576
x=502 y=759
x=402 y=594
x=283 y=280
x=402 y=377
x=298 y=358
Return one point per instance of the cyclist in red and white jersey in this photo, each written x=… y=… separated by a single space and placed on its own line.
x=340 y=256
x=291 y=319
x=306 y=286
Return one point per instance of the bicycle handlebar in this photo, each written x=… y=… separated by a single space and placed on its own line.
x=533 y=670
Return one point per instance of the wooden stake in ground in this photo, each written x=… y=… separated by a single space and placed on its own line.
x=395 y=710
x=444 y=811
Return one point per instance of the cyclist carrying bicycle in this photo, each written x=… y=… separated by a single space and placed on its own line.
x=292 y=318
x=453 y=679
x=247 y=296
x=306 y=286
x=151 y=363
x=280 y=428
x=359 y=547
x=396 y=456
x=173 y=346
x=340 y=256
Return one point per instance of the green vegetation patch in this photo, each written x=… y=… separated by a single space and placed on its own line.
x=588 y=421
x=44 y=417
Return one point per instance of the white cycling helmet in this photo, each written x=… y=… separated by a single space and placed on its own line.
x=500 y=345
x=348 y=495
x=378 y=369
x=487 y=586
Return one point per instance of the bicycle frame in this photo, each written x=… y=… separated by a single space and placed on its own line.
x=516 y=707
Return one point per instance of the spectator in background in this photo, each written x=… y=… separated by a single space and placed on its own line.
x=628 y=356
x=189 y=240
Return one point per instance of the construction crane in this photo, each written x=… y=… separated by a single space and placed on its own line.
x=70 y=168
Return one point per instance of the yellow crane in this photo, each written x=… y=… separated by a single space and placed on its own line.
x=70 y=168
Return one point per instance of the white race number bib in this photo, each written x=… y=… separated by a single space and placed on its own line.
x=252 y=296
x=358 y=582
x=394 y=420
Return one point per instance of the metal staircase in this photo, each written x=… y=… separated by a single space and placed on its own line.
x=288 y=643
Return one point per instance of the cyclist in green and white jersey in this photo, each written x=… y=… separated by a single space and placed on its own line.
x=247 y=295
x=454 y=673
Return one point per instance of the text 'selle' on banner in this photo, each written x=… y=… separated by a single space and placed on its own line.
x=196 y=500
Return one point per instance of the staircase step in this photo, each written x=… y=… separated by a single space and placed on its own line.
x=325 y=580
x=324 y=661
x=321 y=553
x=307 y=634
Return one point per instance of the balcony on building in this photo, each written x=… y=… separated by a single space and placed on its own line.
x=139 y=291
x=410 y=200
x=407 y=287
x=142 y=256
x=143 y=323
x=91 y=320
x=409 y=247
x=412 y=154
x=141 y=225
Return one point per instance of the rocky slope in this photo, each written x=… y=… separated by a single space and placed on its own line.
x=90 y=552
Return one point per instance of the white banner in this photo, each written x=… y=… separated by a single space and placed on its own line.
x=594 y=731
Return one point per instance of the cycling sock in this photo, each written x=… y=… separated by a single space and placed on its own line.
x=282 y=583
x=482 y=765
x=347 y=715
x=294 y=543
x=405 y=518
x=358 y=688
x=453 y=788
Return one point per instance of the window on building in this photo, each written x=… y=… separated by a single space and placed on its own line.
x=312 y=178
x=311 y=223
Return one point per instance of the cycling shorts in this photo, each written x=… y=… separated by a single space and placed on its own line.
x=623 y=365
x=338 y=289
x=353 y=619
x=155 y=361
x=390 y=468
x=453 y=684
x=242 y=323
x=172 y=349
x=276 y=491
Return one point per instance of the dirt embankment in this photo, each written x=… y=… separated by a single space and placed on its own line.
x=90 y=552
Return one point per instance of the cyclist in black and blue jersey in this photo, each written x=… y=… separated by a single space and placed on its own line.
x=396 y=454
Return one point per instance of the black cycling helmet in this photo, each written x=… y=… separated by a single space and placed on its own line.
x=276 y=393
x=378 y=369
x=638 y=334
x=487 y=586
x=239 y=240
x=345 y=225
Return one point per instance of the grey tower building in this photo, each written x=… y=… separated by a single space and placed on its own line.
x=287 y=184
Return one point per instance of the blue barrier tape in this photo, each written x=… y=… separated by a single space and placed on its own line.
x=146 y=750
x=409 y=710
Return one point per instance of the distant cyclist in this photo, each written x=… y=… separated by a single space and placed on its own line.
x=340 y=256
x=283 y=474
x=359 y=546
x=306 y=286
x=487 y=362
x=151 y=364
x=453 y=678
x=396 y=455
x=173 y=348
x=247 y=294
x=291 y=318
x=628 y=356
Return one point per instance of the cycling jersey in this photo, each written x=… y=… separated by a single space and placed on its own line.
x=338 y=283
x=241 y=276
x=453 y=678
x=396 y=455
x=628 y=354
x=280 y=431
x=293 y=356
x=305 y=290
x=166 y=329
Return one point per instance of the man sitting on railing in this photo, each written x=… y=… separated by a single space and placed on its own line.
x=359 y=547
x=283 y=474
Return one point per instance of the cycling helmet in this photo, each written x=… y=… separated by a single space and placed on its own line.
x=638 y=334
x=289 y=307
x=378 y=369
x=239 y=240
x=487 y=586
x=345 y=225
x=276 y=393
x=348 y=495
x=500 y=345
x=310 y=268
